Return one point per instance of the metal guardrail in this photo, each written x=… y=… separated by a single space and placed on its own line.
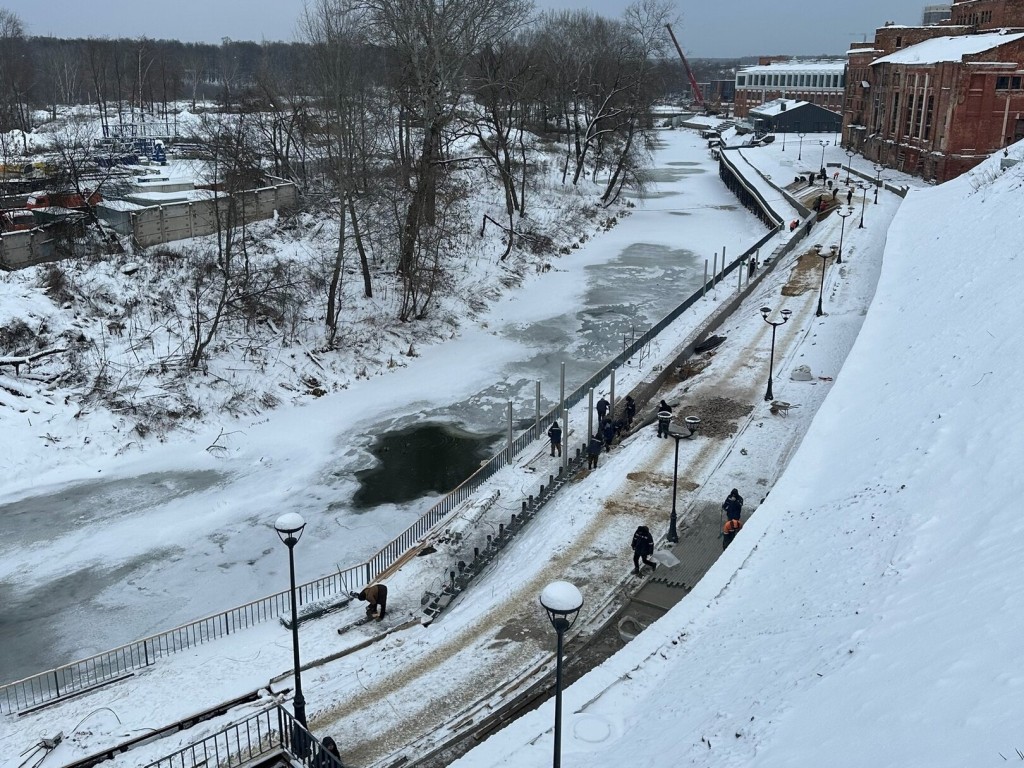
x=271 y=732
x=94 y=671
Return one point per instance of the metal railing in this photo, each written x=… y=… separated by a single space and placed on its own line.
x=271 y=732
x=94 y=671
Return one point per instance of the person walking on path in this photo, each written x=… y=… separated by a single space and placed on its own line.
x=594 y=451
x=664 y=417
x=377 y=597
x=643 y=545
x=630 y=410
x=608 y=431
x=733 y=505
x=329 y=748
x=751 y=267
x=602 y=409
x=729 y=531
x=849 y=196
x=555 y=435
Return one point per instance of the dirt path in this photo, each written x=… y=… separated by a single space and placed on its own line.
x=514 y=640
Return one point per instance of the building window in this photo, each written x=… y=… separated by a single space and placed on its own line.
x=899 y=41
x=1007 y=83
x=927 y=134
x=894 y=115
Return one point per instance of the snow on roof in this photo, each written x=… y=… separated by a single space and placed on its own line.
x=778 y=106
x=120 y=205
x=941 y=49
x=826 y=65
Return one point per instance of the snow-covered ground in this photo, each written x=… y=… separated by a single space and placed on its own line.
x=136 y=544
x=869 y=613
x=864 y=616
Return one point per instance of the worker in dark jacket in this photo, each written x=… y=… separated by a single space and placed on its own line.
x=594 y=450
x=733 y=505
x=729 y=531
x=608 y=433
x=377 y=597
x=643 y=545
x=602 y=409
x=555 y=435
x=630 y=410
x=329 y=748
x=664 y=417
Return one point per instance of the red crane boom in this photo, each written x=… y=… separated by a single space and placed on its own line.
x=694 y=86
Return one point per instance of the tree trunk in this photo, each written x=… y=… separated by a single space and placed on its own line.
x=364 y=264
x=335 y=282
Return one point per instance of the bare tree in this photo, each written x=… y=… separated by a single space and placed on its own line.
x=335 y=29
x=222 y=271
x=194 y=71
x=644 y=21
x=504 y=80
x=79 y=177
x=432 y=42
x=15 y=74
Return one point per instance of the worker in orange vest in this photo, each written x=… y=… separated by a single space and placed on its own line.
x=729 y=531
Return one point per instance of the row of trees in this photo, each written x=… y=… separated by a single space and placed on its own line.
x=381 y=111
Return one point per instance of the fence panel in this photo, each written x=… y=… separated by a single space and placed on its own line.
x=53 y=684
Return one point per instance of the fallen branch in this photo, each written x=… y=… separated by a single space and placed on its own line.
x=17 y=362
x=511 y=232
x=215 y=445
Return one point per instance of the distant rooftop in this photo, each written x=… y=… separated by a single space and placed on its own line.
x=816 y=65
x=778 y=106
x=940 y=49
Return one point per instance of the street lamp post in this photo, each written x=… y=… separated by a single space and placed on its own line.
x=692 y=422
x=821 y=290
x=823 y=145
x=849 y=161
x=765 y=311
x=562 y=601
x=843 y=212
x=289 y=528
x=800 y=152
x=783 y=138
x=878 y=179
x=863 y=203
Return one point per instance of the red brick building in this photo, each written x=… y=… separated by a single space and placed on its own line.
x=936 y=101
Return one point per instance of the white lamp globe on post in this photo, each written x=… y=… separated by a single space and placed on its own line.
x=562 y=601
x=289 y=527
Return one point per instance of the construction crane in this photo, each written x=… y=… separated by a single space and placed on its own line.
x=694 y=86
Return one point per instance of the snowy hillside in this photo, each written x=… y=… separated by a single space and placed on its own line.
x=870 y=614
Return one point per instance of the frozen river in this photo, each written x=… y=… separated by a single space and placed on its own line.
x=92 y=565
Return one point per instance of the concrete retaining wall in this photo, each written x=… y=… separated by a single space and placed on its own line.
x=180 y=221
x=25 y=249
x=152 y=226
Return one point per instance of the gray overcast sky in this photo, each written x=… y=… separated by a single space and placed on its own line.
x=726 y=28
